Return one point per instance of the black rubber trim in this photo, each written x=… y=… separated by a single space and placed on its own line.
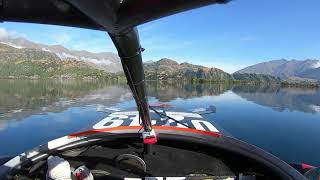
x=232 y=145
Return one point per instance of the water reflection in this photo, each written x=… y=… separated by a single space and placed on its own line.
x=33 y=112
x=294 y=99
x=22 y=98
x=165 y=92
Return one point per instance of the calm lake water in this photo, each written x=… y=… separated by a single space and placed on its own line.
x=283 y=121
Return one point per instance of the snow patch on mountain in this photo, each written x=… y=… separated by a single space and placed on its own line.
x=45 y=49
x=106 y=61
x=316 y=65
x=66 y=56
x=12 y=45
x=96 y=61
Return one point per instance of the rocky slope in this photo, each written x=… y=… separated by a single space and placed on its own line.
x=167 y=69
x=21 y=58
x=35 y=64
x=106 y=61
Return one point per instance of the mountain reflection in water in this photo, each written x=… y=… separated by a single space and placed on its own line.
x=273 y=118
x=294 y=99
x=21 y=98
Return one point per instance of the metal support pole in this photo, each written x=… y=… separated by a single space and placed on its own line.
x=129 y=50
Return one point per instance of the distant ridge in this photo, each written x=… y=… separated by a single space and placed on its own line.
x=166 y=69
x=307 y=70
x=21 y=62
x=38 y=58
x=107 y=61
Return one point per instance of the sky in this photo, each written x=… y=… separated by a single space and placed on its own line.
x=229 y=37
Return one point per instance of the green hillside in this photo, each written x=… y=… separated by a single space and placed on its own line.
x=27 y=63
x=37 y=64
x=167 y=69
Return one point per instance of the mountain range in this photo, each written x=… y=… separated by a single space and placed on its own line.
x=34 y=64
x=21 y=58
x=107 y=61
x=307 y=70
x=56 y=59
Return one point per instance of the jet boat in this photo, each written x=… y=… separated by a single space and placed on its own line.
x=150 y=142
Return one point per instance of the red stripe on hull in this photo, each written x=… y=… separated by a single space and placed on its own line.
x=95 y=131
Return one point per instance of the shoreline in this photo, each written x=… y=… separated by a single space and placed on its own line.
x=284 y=84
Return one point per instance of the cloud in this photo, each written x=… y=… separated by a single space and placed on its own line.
x=16 y=34
x=95 y=44
x=80 y=39
x=3 y=33
x=62 y=38
x=225 y=66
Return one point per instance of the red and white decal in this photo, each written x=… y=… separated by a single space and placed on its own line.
x=131 y=118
